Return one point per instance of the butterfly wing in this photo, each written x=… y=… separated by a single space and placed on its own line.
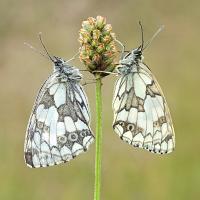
x=58 y=129
x=141 y=114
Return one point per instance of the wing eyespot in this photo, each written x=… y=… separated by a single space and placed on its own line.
x=73 y=137
x=46 y=129
x=155 y=124
x=62 y=139
x=121 y=123
x=130 y=127
x=40 y=125
x=83 y=133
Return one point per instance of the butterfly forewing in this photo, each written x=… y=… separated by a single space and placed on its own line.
x=58 y=128
x=141 y=114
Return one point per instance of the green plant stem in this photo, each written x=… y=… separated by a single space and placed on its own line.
x=98 y=151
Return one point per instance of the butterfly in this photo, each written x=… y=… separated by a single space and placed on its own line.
x=141 y=115
x=58 y=129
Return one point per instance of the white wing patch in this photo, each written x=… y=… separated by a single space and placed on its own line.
x=60 y=95
x=58 y=128
x=141 y=114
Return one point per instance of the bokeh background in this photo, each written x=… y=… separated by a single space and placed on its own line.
x=127 y=173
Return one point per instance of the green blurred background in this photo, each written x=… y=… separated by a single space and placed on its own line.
x=128 y=173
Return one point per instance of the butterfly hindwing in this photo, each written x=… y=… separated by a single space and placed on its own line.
x=141 y=115
x=58 y=128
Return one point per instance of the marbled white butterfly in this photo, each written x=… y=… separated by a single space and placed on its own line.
x=58 y=129
x=141 y=114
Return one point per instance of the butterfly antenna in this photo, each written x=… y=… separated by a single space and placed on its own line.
x=35 y=50
x=40 y=38
x=152 y=38
x=142 y=32
x=123 y=47
x=72 y=57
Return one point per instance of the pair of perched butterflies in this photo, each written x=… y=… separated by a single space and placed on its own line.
x=59 y=126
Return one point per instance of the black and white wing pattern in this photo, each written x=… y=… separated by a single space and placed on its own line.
x=58 y=128
x=141 y=114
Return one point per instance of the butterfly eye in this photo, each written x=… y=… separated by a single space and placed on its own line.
x=130 y=127
x=73 y=137
x=62 y=139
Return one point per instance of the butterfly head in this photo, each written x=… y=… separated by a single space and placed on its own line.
x=135 y=55
x=58 y=62
x=61 y=66
x=131 y=59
